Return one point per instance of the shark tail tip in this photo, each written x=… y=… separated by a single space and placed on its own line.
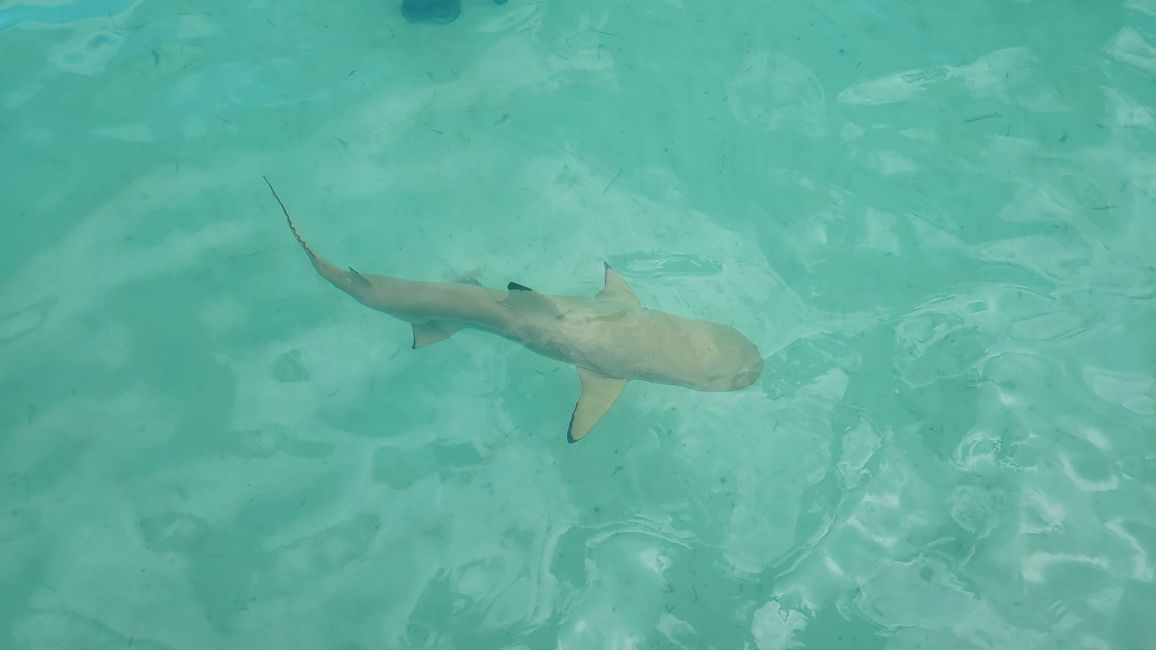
x=289 y=220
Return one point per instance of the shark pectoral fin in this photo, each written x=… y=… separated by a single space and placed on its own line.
x=528 y=301
x=431 y=332
x=615 y=289
x=599 y=393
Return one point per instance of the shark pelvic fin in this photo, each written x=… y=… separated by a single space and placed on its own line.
x=526 y=300
x=431 y=332
x=615 y=289
x=599 y=393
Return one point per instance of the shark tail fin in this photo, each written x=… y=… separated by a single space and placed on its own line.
x=349 y=281
x=289 y=220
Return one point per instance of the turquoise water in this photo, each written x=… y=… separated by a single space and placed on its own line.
x=936 y=220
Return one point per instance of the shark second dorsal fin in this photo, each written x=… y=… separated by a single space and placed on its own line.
x=599 y=393
x=615 y=289
x=524 y=299
x=358 y=279
x=431 y=332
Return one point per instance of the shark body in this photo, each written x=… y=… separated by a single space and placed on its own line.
x=610 y=338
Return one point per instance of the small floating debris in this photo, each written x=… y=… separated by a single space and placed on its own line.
x=979 y=118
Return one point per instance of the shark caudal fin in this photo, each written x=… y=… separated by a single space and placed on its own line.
x=349 y=281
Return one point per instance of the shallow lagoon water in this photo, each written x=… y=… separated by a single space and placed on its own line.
x=935 y=221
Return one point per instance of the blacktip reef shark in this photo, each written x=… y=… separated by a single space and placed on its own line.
x=610 y=338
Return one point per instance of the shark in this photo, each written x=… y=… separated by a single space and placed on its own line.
x=610 y=338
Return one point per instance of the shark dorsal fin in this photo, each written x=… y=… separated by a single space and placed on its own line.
x=522 y=298
x=431 y=332
x=599 y=393
x=615 y=289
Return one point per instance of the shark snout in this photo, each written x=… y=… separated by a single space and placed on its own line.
x=739 y=374
x=748 y=375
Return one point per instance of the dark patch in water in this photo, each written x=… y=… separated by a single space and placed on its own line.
x=439 y=12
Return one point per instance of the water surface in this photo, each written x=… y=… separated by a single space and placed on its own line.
x=935 y=219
